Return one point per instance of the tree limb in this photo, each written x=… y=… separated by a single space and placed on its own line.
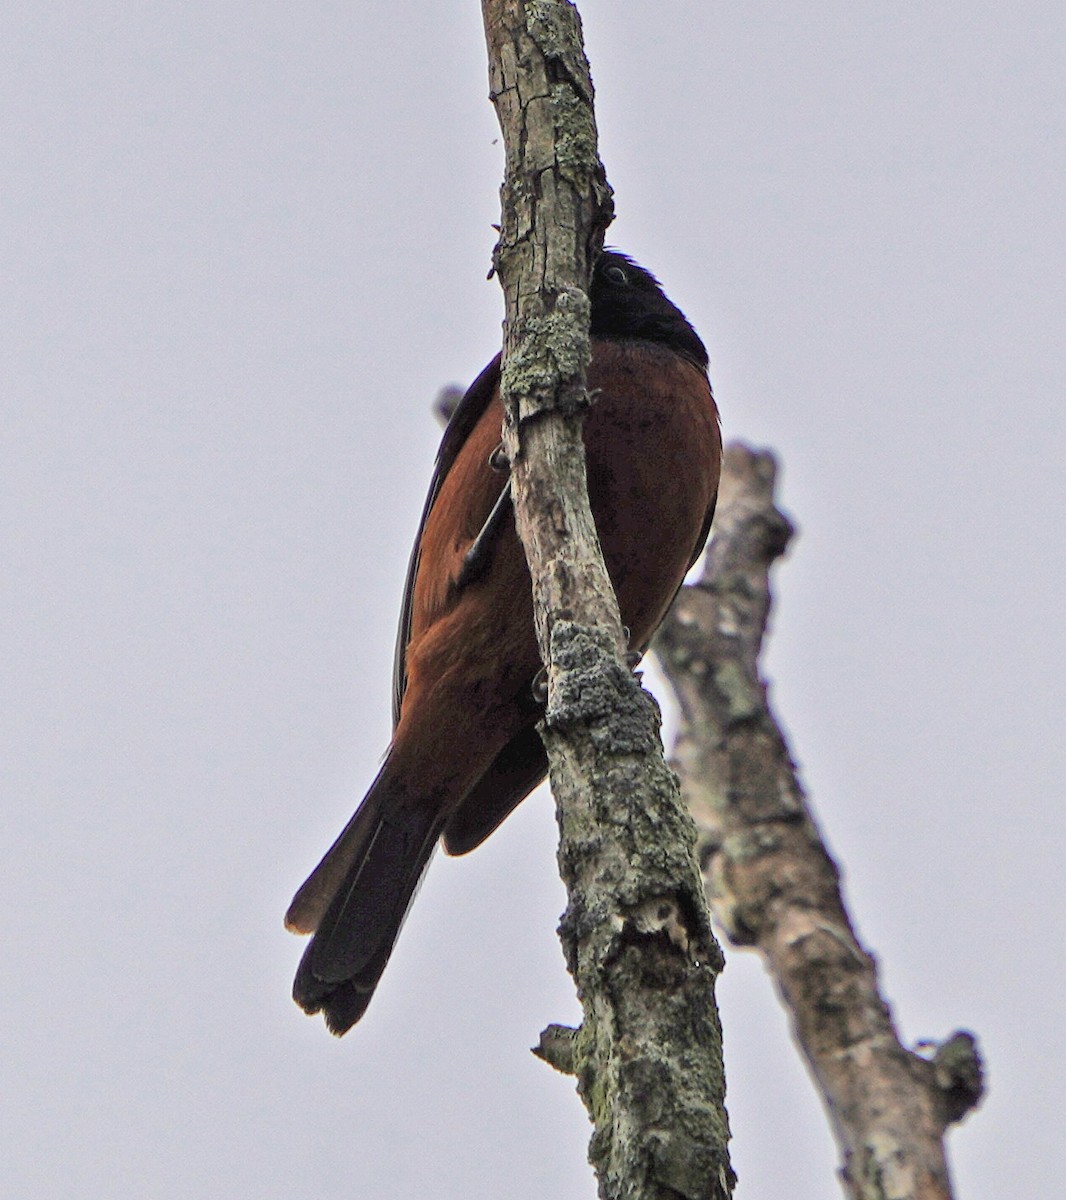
x=636 y=932
x=770 y=880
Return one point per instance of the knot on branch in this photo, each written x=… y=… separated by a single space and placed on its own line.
x=959 y=1074
x=557 y=1047
x=592 y=688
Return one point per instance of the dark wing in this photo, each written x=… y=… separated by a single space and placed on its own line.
x=467 y=414
x=518 y=769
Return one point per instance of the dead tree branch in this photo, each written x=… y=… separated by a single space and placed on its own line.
x=770 y=880
x=636 y=933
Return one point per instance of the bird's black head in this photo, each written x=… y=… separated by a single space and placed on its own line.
x=627 y=302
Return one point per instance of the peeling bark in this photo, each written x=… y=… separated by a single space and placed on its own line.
x=636 y=932
x=770 y=880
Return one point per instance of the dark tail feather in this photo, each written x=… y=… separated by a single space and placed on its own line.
x=383 y=855
x=518 y=769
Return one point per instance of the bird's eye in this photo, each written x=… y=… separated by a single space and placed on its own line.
x=616 y=275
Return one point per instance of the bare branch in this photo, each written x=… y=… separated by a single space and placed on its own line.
x=636 y=932
x=769 y=877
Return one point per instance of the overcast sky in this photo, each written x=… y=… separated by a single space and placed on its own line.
x=243 y=245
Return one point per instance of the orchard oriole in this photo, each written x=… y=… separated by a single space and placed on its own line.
x=465 y=749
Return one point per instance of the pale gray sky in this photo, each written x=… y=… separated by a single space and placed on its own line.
x=243 y=245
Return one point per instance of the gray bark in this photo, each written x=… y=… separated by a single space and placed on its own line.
x=770 y=879
x=636 y=932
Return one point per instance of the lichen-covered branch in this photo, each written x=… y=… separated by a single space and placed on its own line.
x=636 y=932
x=770 y=880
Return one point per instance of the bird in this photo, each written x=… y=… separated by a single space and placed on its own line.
x=468 y=682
